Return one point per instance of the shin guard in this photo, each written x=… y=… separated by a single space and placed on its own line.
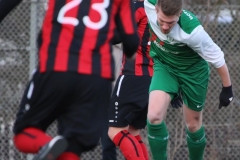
x=129 y=146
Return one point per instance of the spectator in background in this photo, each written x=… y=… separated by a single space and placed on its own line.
x=181 y=50
x=72 y=82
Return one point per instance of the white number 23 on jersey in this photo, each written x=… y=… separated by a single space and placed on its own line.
x=99 y=7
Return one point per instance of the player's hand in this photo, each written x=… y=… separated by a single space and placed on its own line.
x=177 y=102
x=226 y=97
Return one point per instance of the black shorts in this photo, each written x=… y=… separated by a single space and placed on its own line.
x=76 y=101
x=129 y=101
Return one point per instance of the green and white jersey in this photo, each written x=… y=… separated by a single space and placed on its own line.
x=186 y=44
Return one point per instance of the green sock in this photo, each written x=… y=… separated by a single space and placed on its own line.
x=158 y=140
x=196 y=144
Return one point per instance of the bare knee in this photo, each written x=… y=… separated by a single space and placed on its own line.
x=193 y=119
x=154 y=118
x=112 y=131
x=194 y=125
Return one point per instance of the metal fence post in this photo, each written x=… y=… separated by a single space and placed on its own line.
x=33 y=37
x=33 y=46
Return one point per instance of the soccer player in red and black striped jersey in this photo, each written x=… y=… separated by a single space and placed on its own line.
x=72 y=82
x=129 y=101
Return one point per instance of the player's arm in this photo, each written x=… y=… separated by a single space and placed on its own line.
x=138 y=16
x=224 y=74
x=203 y=44
x=6 y=6
x=127 y=28
x=226 y=95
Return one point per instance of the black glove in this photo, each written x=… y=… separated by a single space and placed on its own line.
x=226 y=96
x=177 y=102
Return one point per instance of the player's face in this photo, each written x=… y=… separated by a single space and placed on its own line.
x=166 y=23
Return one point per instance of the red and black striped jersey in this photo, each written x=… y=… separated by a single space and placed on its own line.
x=77 y=34
x=143 y=64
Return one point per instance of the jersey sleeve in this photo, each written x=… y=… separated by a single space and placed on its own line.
x=138 y=15
x=126 y=25
x=6 y=6
x=139 y=10
x=203 y=44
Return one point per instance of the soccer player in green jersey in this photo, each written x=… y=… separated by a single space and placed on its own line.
x=181 y=50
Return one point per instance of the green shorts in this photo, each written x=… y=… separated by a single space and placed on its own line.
x=192 y=83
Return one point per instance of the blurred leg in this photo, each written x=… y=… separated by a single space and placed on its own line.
x=108 y=147
x=68 y=156
x=30 y=140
